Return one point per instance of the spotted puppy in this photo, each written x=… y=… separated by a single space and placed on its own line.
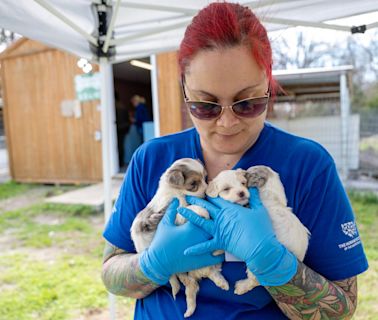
x=184 y=177
x=232 y=185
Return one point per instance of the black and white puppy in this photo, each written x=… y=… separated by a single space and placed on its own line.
x=232 y=185
x=184 y=177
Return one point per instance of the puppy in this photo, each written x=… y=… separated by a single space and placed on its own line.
x=288 y=228
x=230 y=185
x=184 y=177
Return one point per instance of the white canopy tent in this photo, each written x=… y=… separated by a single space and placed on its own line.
x=107 y=32
x=140 y=28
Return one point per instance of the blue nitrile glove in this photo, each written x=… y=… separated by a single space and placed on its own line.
x=247 y=233
x=165 y=256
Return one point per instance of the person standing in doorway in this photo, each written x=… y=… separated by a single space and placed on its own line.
x=134 y=138
x=123 y=123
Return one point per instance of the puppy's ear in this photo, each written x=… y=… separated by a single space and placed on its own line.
x=241 y=174
x=257 y=176
x=212 y=189
x=175 y=178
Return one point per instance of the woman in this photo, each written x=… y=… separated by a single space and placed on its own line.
x=225 y=57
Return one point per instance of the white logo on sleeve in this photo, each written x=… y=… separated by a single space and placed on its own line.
x=349 y=228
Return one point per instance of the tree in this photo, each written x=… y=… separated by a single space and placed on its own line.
x=299 y=52
x=298 y=49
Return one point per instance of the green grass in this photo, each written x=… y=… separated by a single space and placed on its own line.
x=53 y=269
x=12 y=189
x=50 y=290
x=369 y=143
x=366 y=208
x=50 y=269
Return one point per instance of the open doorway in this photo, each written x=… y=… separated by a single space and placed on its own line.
x=133 y=104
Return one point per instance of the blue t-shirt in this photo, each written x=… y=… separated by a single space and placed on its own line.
x=313 y=190
x=141 y=115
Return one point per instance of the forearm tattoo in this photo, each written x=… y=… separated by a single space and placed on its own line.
x=311 y=296
x=121 y=274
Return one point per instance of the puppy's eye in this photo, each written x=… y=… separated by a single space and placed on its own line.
x=244 y=183
x=193 y=186
x=227 y=189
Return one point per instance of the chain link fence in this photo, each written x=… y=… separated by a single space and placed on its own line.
x=320 y=119
x=369 y=143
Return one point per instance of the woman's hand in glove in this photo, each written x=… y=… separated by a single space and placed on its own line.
x=165 y=256
x=247 y=233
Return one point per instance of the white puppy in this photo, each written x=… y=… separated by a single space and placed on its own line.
x=230 y=185
x=184 y=177
x=288 y=228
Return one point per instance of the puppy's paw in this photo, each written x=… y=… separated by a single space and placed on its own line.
x=257 y=176
x=155 y=218
x=175 y=284
x=223 y=284
x=218 y=252
x=189 y=312
x=243 y=286
x=179 y=220
x=202 y=212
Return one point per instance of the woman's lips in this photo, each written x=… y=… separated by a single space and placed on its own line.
x=227 y=135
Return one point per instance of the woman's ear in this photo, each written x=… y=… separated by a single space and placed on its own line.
x=212 y=189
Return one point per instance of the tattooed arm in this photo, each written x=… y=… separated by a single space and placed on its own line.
x=121 y=274
x=309 y=295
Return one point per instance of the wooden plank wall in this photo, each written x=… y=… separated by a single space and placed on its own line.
x=170 y=97
x=43 y=145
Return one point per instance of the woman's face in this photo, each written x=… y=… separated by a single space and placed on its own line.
x=225 y=76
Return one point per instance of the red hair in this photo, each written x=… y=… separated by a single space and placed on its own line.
x=225 y=25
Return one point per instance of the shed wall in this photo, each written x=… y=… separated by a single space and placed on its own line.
x=43 y=145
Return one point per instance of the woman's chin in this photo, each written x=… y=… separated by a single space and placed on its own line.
x=230 y=148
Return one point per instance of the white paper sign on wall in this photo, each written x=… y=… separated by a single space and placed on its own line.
x=88 y=86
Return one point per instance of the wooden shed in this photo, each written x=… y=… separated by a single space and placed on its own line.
x=43 y=144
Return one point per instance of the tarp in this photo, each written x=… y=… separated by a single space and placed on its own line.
x=144 y=27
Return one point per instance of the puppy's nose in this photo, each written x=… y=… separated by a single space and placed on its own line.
x=241 y=194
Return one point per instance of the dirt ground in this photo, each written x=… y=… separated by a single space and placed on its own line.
x=28 y=198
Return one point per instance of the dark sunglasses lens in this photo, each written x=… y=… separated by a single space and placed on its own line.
x=251 y=108
x=203 y=110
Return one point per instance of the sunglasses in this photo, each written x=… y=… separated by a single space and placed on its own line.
x=246 y=108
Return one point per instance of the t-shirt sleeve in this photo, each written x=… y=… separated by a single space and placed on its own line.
x=335 y=249
x=130 y=201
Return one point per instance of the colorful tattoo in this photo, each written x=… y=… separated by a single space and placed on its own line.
x=121 y=274
x=311 y=296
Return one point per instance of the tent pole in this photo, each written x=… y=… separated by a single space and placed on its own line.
x=107 y=103
x=345 y=113
x=372 y=25
x=109 y=32
x=67 y=21
x=150 y=6
x=155 y=95
x=302 y=23
x=150 y=32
